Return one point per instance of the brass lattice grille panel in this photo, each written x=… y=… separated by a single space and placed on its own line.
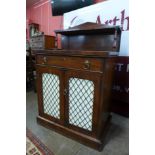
x=51 y=94
x=81 y=97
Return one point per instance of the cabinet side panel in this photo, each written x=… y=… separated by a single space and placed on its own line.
x=106 y=94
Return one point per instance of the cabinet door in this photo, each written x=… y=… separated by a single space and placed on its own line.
x=83 y=100
x=49 y=90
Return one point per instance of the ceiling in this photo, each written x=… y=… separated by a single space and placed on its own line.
x=31 y=2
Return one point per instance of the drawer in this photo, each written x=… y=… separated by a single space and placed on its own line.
x=36 y=39
x=92 y=64
x=37 y=45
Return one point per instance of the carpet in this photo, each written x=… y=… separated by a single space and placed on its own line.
x=34 y=146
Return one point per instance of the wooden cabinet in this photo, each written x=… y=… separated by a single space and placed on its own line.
x=73 y=99
x=74 y=88
x=42 y=42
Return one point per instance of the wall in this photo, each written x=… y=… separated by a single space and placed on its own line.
x=97 y=1
x=41 y=13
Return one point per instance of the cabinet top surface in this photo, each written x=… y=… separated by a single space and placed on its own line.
x=80 y=53
x=42 y=35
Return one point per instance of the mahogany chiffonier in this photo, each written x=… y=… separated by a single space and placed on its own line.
x=74 y=83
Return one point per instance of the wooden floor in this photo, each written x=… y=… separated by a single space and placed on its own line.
x=117 y=140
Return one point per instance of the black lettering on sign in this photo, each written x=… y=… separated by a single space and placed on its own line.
x=120 y=88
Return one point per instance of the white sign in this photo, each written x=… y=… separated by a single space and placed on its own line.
x=111 y=12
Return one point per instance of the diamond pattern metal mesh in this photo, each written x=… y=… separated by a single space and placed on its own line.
x=51 y=94
x=81 y=97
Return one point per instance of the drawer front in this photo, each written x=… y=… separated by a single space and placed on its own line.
x=36 y=39
x=36 y=45
x=92 y=64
